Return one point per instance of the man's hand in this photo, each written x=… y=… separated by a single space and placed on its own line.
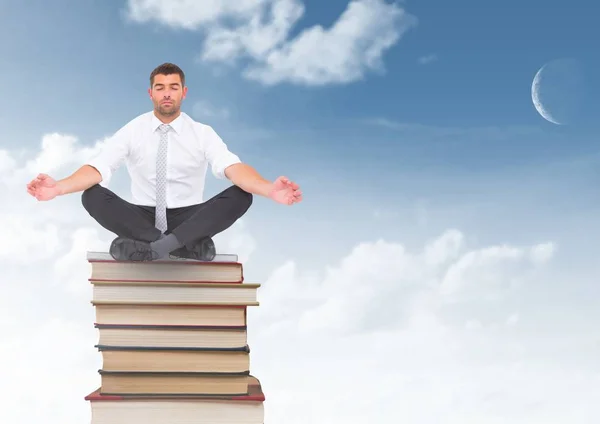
x=285 y=191
x=43 y=187
x=282 y=190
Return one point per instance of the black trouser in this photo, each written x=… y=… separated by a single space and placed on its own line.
x=190 y=224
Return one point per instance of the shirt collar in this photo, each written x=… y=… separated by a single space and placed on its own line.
x=176 y=124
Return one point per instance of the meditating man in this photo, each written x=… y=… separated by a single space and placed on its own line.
x=167 y=154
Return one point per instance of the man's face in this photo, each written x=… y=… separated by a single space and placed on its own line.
x=167 y=94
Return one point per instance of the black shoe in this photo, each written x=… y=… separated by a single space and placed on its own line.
x=126 y=249
x=204 y=250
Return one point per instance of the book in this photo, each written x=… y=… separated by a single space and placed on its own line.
x=179 y=336
x=224 y=270
x=219 y=257
x=173 y=338
x=155 y=409
x=170 y=314
x=152 y=292
x=173 y=383
x=175 y=359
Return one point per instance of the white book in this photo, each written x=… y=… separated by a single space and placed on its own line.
x=220 y=257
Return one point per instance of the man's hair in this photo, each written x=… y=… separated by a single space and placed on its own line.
x=167 y=69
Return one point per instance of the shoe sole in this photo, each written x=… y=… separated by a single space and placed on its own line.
x=125 y=249
x=204 y=251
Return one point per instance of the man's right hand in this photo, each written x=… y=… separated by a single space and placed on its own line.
x=43 y=187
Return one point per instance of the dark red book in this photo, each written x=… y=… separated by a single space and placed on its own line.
x=244 y=409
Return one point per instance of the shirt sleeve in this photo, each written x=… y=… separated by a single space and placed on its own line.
x=112 y=154
x=217 y=153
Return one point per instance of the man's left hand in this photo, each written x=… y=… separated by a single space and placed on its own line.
x=285 y=191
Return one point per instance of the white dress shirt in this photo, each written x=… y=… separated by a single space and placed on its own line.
x=192 y=147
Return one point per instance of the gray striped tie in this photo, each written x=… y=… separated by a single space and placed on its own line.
x=161 y=179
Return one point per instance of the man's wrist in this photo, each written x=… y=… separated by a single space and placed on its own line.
x=60 y=188
x=266 y=188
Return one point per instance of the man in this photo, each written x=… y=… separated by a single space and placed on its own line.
x=167 y=155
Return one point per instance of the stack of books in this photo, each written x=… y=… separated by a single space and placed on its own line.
x=173 y=340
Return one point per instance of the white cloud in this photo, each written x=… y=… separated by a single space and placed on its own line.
x=380 y=281
x=380 y=213
x=495 y=134
x=261 y=31
x=7 y=163
x=190 y=14
x=265 y=29
x=58 y=151
x=49 y=363
x=373 y=339
x=425 y=60
x=32 y=228
x=513 y=319
x=237 y=239
x=342 y=54
x=542 y=252
x=46 y=318
x=490 y=271
x=203 y=109
x=23 y=237
x=71 y=265
x=444 y=248
x=30 y=223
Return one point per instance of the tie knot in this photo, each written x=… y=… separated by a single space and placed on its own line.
x=164 y=128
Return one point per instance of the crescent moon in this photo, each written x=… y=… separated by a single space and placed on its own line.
x=535 y=97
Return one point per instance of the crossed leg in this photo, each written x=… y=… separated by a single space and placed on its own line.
x=193 y=226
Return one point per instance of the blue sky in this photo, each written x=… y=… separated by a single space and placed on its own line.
x=428 y=176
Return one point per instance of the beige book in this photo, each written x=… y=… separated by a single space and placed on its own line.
x=181 y=336
x=145 y=292
x=157 y=314
x=206 y=360
x=166 y=383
